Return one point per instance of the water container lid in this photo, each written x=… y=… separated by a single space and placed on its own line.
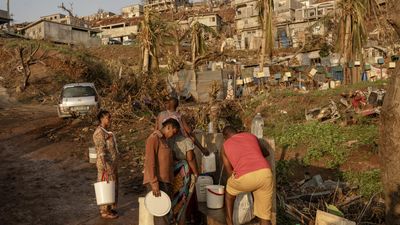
x=157 y=206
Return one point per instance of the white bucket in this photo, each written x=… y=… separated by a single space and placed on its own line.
x=215 y=196
x=201 y=184
x=92 y=155
x=145 y=217
x=105 y=192
x=208 y=163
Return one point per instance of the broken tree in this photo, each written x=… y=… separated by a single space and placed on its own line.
x=28 y=57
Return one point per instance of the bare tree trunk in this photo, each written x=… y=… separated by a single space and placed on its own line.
x=267 y=43
x=347 y=49
x=146 y=60
x=390 y=149
x=264 y=37
x=194 y=47
x=390 y=134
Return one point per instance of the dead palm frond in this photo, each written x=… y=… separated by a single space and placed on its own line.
x=152 y=32
x=198 y=34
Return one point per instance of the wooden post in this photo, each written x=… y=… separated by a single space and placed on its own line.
x=234 y=82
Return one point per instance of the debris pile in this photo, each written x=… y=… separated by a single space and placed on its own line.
x=305 y=199
x=357 y=103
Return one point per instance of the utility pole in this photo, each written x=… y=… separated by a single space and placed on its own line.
x=9 y=15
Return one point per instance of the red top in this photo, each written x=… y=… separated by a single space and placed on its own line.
x=244 y=154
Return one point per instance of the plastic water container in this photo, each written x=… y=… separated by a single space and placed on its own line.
x=92 y=155
x=201 y=184
x=208 y=163
x=257 y=126
x=215 y=196
x=105 y=192
x=210 y=127
x=145 y=217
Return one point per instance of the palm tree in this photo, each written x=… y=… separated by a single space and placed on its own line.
x=267 y=44
x=198 y=34
x=352 y=34
x=152 y=32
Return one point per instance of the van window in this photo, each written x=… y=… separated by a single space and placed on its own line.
x=78 y=91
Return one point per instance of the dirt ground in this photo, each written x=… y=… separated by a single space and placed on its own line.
x=46 y=181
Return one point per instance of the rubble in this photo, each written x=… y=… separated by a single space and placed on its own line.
x=361 y=103
x=331 y=201
x=326 y=113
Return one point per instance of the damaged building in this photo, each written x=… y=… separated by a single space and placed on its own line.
x=131 y=11
x=295 y=20
x=165 y=5
x=63 y=19
x=117 y=28
x=248 y=26
x=62 y=33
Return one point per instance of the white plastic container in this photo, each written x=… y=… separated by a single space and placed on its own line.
x=215 y=196
x=145 y=217
x=105 y=192
x=92 y=155
x=257 y=126
x=210 y=127
x=208 y=163
x=201 y=184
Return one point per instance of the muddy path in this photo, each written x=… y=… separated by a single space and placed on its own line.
x=42 y=181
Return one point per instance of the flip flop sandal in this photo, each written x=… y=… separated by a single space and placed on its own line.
x=109 y=216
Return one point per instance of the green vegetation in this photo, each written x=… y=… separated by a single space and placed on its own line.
x=331 y=142
x=369 y=182
x=325 y=139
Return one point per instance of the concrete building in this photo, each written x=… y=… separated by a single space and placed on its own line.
x=315 y=11
x=132 y=11
x=98 y=16
x=61 y=33
x=248 y=26
x=306 y=3
x=200 y=5
x=284 y=10
x=4 y=17
x=119 y=31
x=63 y=19
x=165 y=5
x=212 y=20
x=292 y=31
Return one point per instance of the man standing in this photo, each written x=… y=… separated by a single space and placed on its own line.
x=158 y=164
x=248 y=171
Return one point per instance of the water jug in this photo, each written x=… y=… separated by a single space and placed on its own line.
x=257 y=126
x=201 y=184
x=208 y=163
x=210 y=127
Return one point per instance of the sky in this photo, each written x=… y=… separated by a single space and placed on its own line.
x=31 y=10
